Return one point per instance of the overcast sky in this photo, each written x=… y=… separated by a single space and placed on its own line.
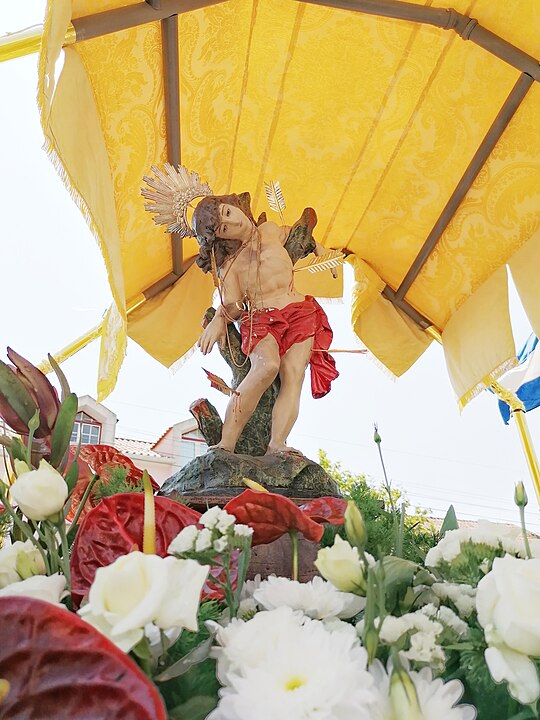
x=54 y=288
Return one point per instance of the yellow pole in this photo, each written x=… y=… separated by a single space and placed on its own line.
x=27 y=41
x=518 y=411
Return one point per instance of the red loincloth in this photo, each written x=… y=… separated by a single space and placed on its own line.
x=290 y=325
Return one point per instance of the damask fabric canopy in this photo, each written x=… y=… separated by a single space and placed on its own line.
x=374 y=121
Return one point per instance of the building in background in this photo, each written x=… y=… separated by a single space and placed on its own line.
x=95 y=424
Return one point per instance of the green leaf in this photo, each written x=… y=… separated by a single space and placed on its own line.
x=61 y=377
x=72 y=475
x=194 y=657
x=63 y=428
x=17 y=450
x=449 y=523
x=397 y=572
x=196 y=708
x=16 y=394
x=142 y=649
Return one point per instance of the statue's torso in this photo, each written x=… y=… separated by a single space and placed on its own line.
x=262 y=273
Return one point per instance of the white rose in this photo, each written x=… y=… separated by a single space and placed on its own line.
x=507 y=601
x=40 y=493
x=41 y=587
x=20 y=560
x=341 y=565
x=185 y=583
x=184 y=541
x=138 y=589
x=507 y=605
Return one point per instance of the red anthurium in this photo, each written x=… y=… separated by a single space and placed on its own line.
x=115 y=527
x=101 y=458
x=271 y=516
x=59 y=666
x=326 y=510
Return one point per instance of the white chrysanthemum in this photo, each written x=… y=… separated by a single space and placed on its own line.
x=318 y=598
x=298 y=671
x=250 y=586
x=461 y=595
x=436 y=699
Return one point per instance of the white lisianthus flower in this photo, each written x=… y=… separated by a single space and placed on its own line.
x=40 y=493
x=297 y=671
x=211 y=517
x=19 y=561
x=318 y=599
x=137 y=589
x=184 y=541
x=507 y=606
x=203 y=540
x=506 y=538
x=423 y=699
x=341 y=565
x=51 y=588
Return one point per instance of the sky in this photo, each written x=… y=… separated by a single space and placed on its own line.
x=53 y=288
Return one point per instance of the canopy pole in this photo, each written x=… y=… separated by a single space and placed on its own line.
x=493 y=135
x=447 y=19
x=517 y=409
x=171 y=75
x=28 y=41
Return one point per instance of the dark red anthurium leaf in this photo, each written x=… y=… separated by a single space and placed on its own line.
x=101 y=458
x=58 y=666
x=326 y=510
x=115 y=527
x=271 y=516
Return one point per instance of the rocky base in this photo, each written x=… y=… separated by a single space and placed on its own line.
x=219 y=472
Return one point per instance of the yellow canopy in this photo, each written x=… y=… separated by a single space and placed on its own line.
x=373 y=121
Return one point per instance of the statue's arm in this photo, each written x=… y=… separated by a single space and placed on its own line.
x=228 y=311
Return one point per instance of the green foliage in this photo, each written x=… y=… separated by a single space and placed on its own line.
x=418 y=536
x=117 y=482
x=194 y=694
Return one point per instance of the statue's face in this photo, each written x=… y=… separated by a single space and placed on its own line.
x=233 y=223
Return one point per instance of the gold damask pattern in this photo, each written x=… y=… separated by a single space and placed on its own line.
x=369 y=120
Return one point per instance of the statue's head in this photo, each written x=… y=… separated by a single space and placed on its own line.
x=207 y=222
x=171 y=192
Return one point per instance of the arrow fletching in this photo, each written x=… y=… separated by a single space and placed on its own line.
x=328 y=261
x=219 y=384
x=275 y=197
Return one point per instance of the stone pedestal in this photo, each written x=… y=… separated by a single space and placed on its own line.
x=220 y=474
x=276 y=559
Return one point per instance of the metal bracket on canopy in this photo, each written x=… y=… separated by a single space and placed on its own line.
x=447 y=19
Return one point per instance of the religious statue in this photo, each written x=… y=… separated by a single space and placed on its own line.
x=281 y=331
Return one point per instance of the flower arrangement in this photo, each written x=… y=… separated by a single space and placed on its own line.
x=126 y=604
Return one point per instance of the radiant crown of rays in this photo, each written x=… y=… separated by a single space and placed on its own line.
x=171 y=194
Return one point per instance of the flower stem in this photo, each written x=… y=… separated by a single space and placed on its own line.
x=294 y=542
x=84 y=499
x=65 y=553
x=524 y=531
x=24 y=530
